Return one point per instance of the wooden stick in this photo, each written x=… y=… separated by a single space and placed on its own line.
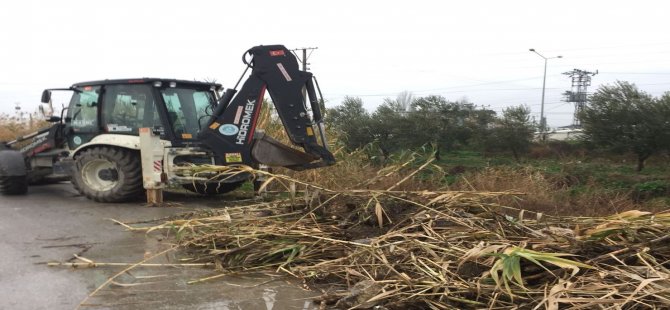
x=94 y=264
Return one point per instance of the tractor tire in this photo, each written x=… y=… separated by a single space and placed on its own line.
x=13 y=175
x=13 y=185
x=212 y=188
x=108 y=174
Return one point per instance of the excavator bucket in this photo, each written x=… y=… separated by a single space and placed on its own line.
x=268 y=151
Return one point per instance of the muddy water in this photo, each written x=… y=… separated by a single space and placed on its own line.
x=167 y=289
x=52 y=223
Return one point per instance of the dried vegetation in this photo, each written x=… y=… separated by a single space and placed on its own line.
x=395 y=239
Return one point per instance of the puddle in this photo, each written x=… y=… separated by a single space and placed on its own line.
x=52 y=227
x=168 y=289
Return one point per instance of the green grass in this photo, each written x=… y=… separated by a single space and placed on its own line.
x=474 y=160
x=577 y=177
x=247 y=187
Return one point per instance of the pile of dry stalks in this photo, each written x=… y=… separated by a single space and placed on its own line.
x=410 y=249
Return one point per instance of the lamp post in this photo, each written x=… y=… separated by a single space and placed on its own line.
x=543 y=122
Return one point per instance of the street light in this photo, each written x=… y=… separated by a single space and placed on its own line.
x=543 y=122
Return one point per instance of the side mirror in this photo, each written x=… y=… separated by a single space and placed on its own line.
x=46 y=96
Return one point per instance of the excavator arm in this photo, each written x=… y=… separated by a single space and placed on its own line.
x=231 y=130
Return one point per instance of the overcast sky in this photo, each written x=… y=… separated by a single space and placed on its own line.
x=370 y=49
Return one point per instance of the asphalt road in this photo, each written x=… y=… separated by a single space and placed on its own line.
x=52 y=224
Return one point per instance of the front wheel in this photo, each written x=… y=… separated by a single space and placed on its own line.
x=108 y=174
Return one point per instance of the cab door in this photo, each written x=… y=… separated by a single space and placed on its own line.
x=82 y=116
x=128 y=107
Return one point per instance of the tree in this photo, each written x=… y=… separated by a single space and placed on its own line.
x=482 y=122
x=391 y=127
x=624 y=119
x=663 y=113
x=440 y=121
x=352 y=121
x=446 y=125
x=514 y=131
x=451 y=124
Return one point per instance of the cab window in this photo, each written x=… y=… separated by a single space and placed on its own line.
x=83 y=110
x=188 y=110
x=128 y=108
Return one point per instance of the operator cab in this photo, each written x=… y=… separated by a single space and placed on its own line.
x=176 y=109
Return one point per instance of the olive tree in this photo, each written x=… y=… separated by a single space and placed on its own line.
x=624 y=119
x=514 y=131
x=352 y=122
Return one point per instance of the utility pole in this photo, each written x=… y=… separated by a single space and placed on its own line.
x=304 y=62
x=305 y=56
x=581 y=79
x=543 y=121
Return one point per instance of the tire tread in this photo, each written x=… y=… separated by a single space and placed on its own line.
x=128 y=167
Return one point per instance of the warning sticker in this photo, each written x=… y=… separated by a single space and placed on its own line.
x=233 y=157
x=118 y=128
x=284 y=72
x=158 y=165
x=277 y=53
x=238 y=114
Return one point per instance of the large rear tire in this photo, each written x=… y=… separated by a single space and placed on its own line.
x=212 y=188
x=13 y=175
x=108 y=174
x=13 y=185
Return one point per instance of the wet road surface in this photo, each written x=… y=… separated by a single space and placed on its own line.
x=52 y=223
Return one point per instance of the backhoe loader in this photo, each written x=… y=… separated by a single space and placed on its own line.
x=97 y=143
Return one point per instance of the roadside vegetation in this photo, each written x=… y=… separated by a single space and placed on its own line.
x=620 y=162
x=401 y=237
x=11 y=127
x=445 y=205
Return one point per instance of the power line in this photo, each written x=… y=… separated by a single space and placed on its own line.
x=519 y=53
x=640 y=73
x=450 y=87
x=445 y=92
x=558 y=106
x=611 y=46
x=470 y=90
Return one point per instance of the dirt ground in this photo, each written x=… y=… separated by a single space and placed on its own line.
x=52 y=223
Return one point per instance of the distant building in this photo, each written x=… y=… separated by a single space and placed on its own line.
x=565 y=133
